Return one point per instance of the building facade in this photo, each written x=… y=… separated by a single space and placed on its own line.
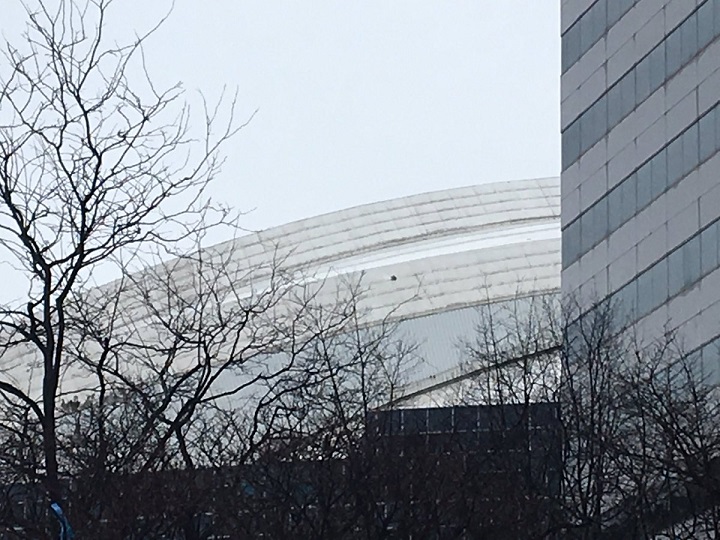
x=640 y=169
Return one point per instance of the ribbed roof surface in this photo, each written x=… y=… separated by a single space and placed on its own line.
x=434 y=251
x=425 y=259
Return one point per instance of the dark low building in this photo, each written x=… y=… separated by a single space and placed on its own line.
x=451 y=472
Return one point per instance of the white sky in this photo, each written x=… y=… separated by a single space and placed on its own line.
x=361 y=101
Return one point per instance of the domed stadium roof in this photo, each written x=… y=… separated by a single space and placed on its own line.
x=426 y=253
x=426 y=261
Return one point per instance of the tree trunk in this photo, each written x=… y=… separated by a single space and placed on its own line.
x=52 y=480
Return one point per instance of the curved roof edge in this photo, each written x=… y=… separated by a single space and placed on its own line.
x=548 y=187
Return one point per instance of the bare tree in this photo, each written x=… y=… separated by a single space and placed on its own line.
x=94 y=169
x=190 y=362
x=513 y=355
x=671 y=443
x=639 y=418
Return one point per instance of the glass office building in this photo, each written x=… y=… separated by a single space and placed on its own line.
x=640 y=165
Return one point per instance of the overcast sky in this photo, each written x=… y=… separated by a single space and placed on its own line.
x=361 y=101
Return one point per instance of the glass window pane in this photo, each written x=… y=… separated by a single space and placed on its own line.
x=585 y=26
x=658 y=164
x=709 y=249
x=586 y=32
x=491 y=418
x=675 y=272
x=694 y=359
x=466 y=418
x=691 y=261
x=576 y=38
x=592 y=125
x=716 y=114
x=705 y=24
x=614 y=106
x=707 y=136
x=613 y=12
x=716 y=18
x=644 y=291
x=616 y=9
x=710 y=360
x=565 y=52
x=660 y=283
x=414 y=421
x=600 y=221
x=615 y=209
x=571 y=243
x=601 y=118
x=599 y=15
x=566 y=244
x=627 y=302
x=586 y=131
x=690 y=149
x=571 y=144
x=440 y=420
x=674 y=161
x=673 y=52
x=629 y=199
x=571 y=46
x=644 y=187
x=586 y=231
x=688 y=30
x=573 y=335
x=627 y=85
x=642 y=80
x=657 y=67
x=707 y=351
x=387 y=422
x=716 y=234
